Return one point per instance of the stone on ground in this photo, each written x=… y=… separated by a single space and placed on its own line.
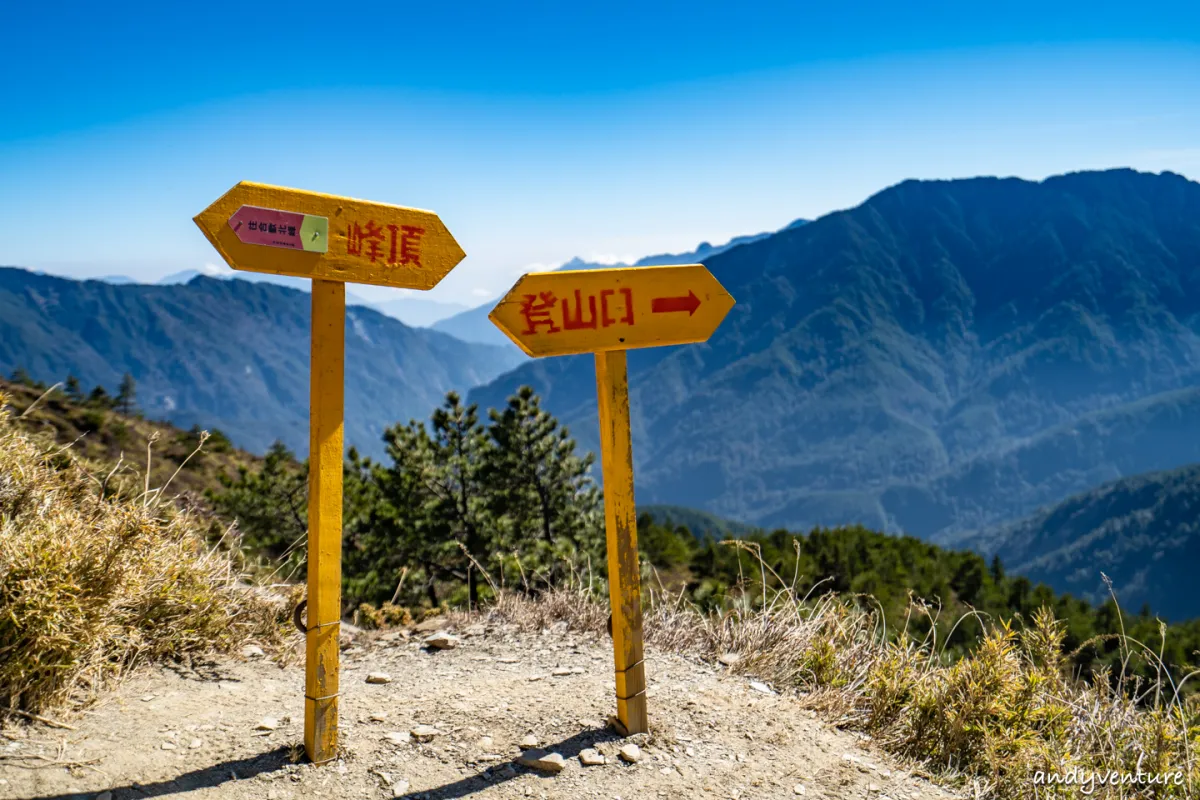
x=541 y=760
x=630 y=753
x=442 y=641
x=591 y=757
x=424 y=733
x=379 y=677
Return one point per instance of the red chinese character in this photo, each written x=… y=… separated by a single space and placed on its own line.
x=578 y=322
x=372 y=235
x=538 y=313
x=409 y=238
x=605 y=319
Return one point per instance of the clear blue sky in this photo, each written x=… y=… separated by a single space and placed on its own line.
x=539 y=131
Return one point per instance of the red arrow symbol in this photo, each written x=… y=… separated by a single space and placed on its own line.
x=665 y=305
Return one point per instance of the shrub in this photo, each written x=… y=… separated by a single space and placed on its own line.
x=89 y=587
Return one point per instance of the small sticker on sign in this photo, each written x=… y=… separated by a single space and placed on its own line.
x=286 y=229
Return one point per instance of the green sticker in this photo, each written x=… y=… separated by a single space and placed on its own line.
x=314 y=234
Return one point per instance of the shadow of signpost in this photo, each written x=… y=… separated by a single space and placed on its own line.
x=206 y=778
x=492 y=776
x=272 y=760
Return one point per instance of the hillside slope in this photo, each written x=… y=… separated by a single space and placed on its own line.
x=1143 y=532
x=946 y=356
x=229 y=354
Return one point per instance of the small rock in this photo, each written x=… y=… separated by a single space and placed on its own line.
x=759 y=686
x=273 y=794
x=485 y=743
x=400 y=788
x=429 y=625
x=799 y=789
x=424 y=733
x=379 y=677
x=529 y=741
x=442 y=641
x=397 y=737
x=475 y=630
x=561 y=671
x=874 y=787
x=379 y=716
x=508 y=660
x=592 y=757
x=540 y=759
x=506 y=771
x=194 y=743
x=630 y=753
x=252 y=651
x=168 y=745
x=729 y=659
x=267 y=724
x=146 y=698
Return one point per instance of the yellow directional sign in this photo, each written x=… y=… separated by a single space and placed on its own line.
x=263 y=228
x=606 y=312
x=333 y=240
x=590 y=311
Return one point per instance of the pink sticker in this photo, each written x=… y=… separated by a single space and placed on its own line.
x=273 y=228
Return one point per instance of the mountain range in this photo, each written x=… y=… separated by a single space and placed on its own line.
x=230 y=354
x=474 y=326
x=997 y=364
x=416 y=311
x=1142 y=532
x=943 y=359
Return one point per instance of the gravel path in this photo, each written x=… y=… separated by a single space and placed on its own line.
x=232 y=730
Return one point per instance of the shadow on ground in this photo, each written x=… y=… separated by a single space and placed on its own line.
x=494 y=775
x=276 y=759
x=206 y=778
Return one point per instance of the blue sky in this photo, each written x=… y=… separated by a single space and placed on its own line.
x=541 y=131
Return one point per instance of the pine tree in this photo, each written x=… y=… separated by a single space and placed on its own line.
x=20 y=376
x=127 y=395
x=99 y=398
x=270 y=506
x=74 y=390
x=541 y=488
x=451 y=466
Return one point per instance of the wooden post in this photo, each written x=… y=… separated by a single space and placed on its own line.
x=624 y=585
x=324 y=520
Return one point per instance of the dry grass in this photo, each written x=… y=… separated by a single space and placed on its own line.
x=90 y=587
x=989 y=721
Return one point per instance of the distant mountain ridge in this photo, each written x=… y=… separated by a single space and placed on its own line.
x=944 y=358
x=1143 y=532
x=474 y=326
x=414 y=311
x=230 y=354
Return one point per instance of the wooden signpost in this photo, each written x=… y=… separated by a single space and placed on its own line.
x=333 y=241
x=606 y=312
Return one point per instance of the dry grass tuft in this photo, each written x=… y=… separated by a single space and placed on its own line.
x=994 y=718
x=90 y=587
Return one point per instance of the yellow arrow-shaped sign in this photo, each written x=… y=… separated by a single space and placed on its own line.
x=263 y=228
x=589 y=311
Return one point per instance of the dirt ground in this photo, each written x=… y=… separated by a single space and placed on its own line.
x=195 y=732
